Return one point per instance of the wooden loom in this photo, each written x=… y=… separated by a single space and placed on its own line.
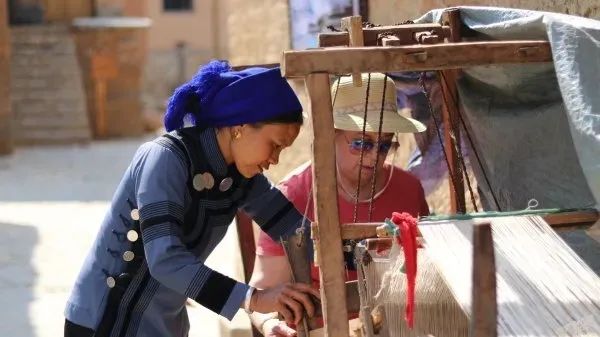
x=410 y=47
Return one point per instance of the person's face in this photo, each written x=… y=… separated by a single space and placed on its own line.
x=348 y=146
x=259 y=147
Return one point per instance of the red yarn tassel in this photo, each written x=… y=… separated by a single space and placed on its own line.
x=407 y=225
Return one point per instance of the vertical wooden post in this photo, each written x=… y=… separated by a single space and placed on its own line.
x=297 y=255
x=6 y=142
x=353 y=24
x=484 y=309
x=329 y=242
x=247 y=243
x=451 y=121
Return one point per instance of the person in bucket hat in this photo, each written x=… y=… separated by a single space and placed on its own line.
x=394 y=190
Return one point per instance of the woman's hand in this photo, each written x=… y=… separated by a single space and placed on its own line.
x=289 y=299
x=276 y=328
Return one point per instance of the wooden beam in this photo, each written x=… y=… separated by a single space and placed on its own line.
x=333 y=292
x=558 y=221
x=342 y=60
x=353 y=25
x=297 y=255
x=352 y=299
x=370 y=35
x=246 y=242
x=484 y=308
x=451 y=122
x=570 y=220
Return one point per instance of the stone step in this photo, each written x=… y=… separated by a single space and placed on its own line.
x=29 y=136
x=52 y=74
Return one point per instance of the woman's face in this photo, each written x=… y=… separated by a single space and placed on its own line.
x=348 y=145
x=259 y=147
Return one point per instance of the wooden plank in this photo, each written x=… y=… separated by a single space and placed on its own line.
x=572 y=219
x=370 y=35
x=297 y=255
x=333 y=292
x=246 y=242
x=342 y=60
x=484 y=308
x=352 y=299
x=450 y=120
x=353 y=25
x=558 y=221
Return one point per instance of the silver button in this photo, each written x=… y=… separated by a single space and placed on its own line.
x=198 y=182
x=225 y=184
x=135 y=214
x=128 y=256
x=110 y=282
x=132 y=235
x=209 y=180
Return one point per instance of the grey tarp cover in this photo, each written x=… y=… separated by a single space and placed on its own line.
x=537 y=126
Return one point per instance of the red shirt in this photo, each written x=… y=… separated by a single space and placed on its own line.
x=402 y=193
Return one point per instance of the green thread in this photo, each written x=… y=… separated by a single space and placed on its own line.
x=499 y=214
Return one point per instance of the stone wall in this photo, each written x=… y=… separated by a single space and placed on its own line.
x=165 y=70
x=47 y=95
x=394 y=11
x=258 y=31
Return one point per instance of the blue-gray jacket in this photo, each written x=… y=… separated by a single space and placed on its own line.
x=137 y=285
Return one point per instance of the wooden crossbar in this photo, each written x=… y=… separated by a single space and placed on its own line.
x=347 y=60
x=558 y=221
x=371 y=34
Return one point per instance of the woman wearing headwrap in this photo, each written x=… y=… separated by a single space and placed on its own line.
x=175 y=202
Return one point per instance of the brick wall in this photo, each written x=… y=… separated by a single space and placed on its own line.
x=47 y=96
x=5 y=110
x=394 y=11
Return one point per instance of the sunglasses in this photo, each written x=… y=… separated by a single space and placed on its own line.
x=359 y=145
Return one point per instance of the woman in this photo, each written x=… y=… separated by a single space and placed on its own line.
x=175 y=202
x=394 y=190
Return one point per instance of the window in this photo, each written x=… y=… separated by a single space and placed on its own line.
x=177 y=5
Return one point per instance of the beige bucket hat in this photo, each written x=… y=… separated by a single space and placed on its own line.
x=349 y=106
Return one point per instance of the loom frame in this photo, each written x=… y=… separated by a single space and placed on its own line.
x=354 y=51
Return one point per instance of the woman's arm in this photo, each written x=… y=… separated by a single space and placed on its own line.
x=160 y=176
x=268 y=272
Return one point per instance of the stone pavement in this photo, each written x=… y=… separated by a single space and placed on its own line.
x=52 y=200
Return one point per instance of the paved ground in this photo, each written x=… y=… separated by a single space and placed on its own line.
x=52 y=200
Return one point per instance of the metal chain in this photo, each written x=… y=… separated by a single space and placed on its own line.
x=374 y=178
x=458 y=148
x=485 y=176
x=437 y=129
x=362 y=152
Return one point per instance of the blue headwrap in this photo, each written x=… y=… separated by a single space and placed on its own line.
x=217 y=96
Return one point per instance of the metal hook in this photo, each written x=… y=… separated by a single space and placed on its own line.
x=532 y=204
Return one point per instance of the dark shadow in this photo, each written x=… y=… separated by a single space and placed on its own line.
x=17 y=279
